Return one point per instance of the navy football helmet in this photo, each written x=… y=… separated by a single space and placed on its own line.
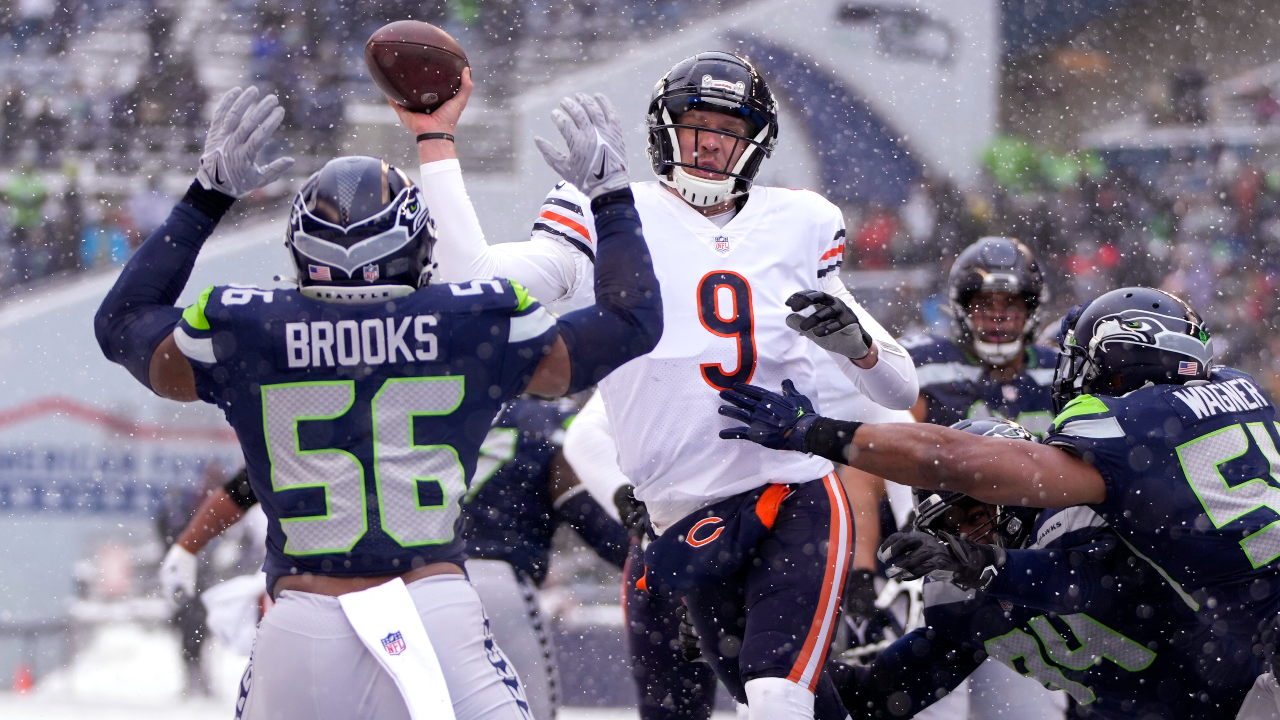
x=360 y=231
x=1128 y=338
x=942 y=511
x=995 y=264
x=719 y=82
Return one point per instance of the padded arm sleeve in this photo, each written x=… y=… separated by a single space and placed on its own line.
x=626 y=321
x=1062 y=581
x=891 y=382
x=545 y=267
x=138 y=312
x=604 y=534
x=593 y=455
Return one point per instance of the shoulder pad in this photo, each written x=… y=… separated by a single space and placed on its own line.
x=1088 y=416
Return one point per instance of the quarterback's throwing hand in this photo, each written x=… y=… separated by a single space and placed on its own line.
x=960 y=561
x=235 y=137
x=833 y=326
x=774 y=421
x=597 y=159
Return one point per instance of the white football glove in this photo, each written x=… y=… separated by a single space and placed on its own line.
x=236 y=135
x=597 y=159
x=178 y=573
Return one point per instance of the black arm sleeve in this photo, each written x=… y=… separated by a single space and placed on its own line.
x=604 y=534
x=239 y=491
x=626 y=321
x=911 y=674
x=138 y=312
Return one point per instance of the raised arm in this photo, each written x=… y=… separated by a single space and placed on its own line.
x=547 y=269
x=135 y=322
x=991 y=469
x=626 y=320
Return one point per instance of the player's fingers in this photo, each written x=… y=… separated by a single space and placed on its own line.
x=799 y=301
x=553 y=157
x=752 y=391
x=820 y=298
x=594 y=113
x=262 y=135
x=738 y=399
x=573 y=109
x=794 y=321
x=276 y=169
x=737 y=433
x=256 y=118
x=240 y=107
x=789 y=389
x=228 y=98
x=606 y=108
x=736 y=413
x=568 y=129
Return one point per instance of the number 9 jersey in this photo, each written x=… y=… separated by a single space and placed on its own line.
x=1193 y=486
x=361 y=424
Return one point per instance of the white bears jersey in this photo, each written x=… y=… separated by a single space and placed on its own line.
x=724 y=293
x=724 y=302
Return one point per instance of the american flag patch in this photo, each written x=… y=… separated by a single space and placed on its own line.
x=318 y=272
x=393 y=643
x=1188 y=368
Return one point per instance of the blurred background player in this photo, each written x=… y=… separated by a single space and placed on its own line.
x=1112 y=632
x=718 y=247
x=361 y=242
x=522 y=490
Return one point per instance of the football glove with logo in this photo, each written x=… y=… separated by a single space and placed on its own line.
x=597 y=159
x=833 y=326
x=774 y=421
x=960 y=561
x=235 y=137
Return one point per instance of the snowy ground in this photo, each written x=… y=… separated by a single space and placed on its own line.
x=128 y=672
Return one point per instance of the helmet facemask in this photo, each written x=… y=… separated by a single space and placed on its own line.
x=705 y=192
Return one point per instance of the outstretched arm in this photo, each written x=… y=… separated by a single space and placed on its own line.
x=576 y=506
x=991 y=469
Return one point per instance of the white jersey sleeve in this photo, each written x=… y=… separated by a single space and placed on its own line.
x=593 y=454
x=891 y=382
x=547 y=269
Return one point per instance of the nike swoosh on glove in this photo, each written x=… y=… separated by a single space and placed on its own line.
x=597 y=159
x=833 y=326
x=237 y=134
x=772 y=420
x=960 y=561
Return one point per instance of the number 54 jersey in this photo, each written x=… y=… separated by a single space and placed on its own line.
x=361 y=424
x=1193 y=486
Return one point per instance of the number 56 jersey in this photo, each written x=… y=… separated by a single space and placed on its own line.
x=361 y=424
x=1193 y=486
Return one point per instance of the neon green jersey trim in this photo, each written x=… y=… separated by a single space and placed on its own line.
x=194 y=314
x=1083 y=405
x=523 y=298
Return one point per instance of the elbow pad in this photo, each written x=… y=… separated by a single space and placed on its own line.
x=626 y=321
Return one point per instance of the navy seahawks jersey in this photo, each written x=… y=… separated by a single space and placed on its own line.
x=957 y=386
x=361 y=424
x=1193 y=485
x=508 y=509
x=1080 y=612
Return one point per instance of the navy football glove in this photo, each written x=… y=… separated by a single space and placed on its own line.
x=960 y=561
x=772 y=420
x=690 y=643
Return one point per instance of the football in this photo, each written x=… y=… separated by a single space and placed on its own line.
x=418 y=65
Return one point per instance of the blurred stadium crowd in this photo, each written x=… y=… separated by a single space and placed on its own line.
x=81 y=179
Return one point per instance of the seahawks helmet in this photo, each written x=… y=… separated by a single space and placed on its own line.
x=719 y=82
x=942 y=511
x=359 y=231
x=995 y=264
x=1128 y=338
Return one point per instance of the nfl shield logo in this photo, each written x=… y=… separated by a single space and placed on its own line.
x=722 y=244
x=371 y=273
x=393 y=643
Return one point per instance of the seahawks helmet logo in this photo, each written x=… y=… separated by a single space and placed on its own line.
x=1153 y=330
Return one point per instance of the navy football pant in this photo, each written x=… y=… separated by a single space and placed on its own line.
x=776 y=616
x=669 y=687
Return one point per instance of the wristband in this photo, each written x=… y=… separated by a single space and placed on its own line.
x=435 y=136
x=830 y=438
